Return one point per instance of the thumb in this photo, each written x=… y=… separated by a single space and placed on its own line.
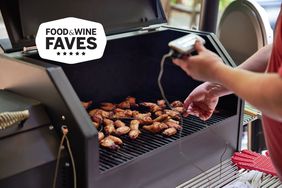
x=199 y=47
x=188 y=102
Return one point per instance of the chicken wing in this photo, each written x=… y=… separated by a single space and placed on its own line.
x=108 y=106
x=156 y=127
x=173 y=124
x=134 y=134
x=152 y=106
x=134 y=124
x=173 y=114
x=109 y=126
x=101 y=112
x=109 y=143
x=161 y=118
x=122 y=130
x=107 y=122
x=86 y=104
x=132 y=101
x=109 y=129
x=134 y=129
x=159 y=113
x=176 y=104
x=95 y=124
x=97 y=119
x=124 y=105
x=121 y=113
x=170 y=131
x=119 y=123
x=143 y=118
x=179 y=109
x=101 y=136
x=161 y=103
x=116 y=140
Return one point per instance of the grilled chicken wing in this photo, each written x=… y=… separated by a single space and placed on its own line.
x=121 y=113
x=143 y=118
x=97 y=119
x=109 y=129
x=173 y=114
x=132 y=101
x=109 y=143
x=152 y=106
x=108 y=106
x=134 y=124
x=179 y=109
x=170 y=131
x=159 y=113
x=95 y=124
x=101 y=136
x=86 y=104
x=173 y=124
x=107 y=122
x=122 y=130
x=161 y=118
x=109 y=126
x=101 y=112
x=161 y=103
x=176 y=104
x=119 y=123
x=134 y=129
x=156 y=127
x=134 y=134
x=116 y=140
x=124 y=105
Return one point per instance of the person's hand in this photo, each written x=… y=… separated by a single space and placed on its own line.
x=202 y=100
x=203 y=66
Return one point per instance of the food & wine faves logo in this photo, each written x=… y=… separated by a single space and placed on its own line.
x=71 y=40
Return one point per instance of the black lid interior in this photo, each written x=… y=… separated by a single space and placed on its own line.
x=23 y=17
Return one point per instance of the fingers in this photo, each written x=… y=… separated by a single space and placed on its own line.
x=188 y=102
x=199 y=47
x=181 y=62
x=198 y=110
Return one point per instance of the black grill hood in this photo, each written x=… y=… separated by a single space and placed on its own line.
x=22 y=18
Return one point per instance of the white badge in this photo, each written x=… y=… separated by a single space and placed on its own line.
x=71 y=40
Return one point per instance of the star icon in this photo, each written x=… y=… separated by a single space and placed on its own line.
x=71 y=53
x=58 y=53
x=77 y=53
x=65 y=53
x=83 y=53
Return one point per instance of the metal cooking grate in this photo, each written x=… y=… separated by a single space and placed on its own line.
x=226 y=174
x=248 y=118
x=147 y=142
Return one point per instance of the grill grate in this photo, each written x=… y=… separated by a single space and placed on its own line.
x=248 y=118
x=147 y=142
x=225 y=174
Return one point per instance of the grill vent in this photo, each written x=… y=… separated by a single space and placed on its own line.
x=148 y=142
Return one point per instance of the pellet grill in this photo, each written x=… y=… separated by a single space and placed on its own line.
x=129 y=67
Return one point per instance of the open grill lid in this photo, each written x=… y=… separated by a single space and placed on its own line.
x=22 y=18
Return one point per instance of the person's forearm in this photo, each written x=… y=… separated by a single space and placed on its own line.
x=264 y=91
x=258 y=61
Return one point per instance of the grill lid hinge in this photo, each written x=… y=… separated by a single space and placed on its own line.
x=152 y=27
x=29 y=49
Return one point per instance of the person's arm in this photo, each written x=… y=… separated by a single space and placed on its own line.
x=264 y=91
x=256 y=63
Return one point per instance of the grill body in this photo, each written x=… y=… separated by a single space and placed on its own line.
x=129 y=67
